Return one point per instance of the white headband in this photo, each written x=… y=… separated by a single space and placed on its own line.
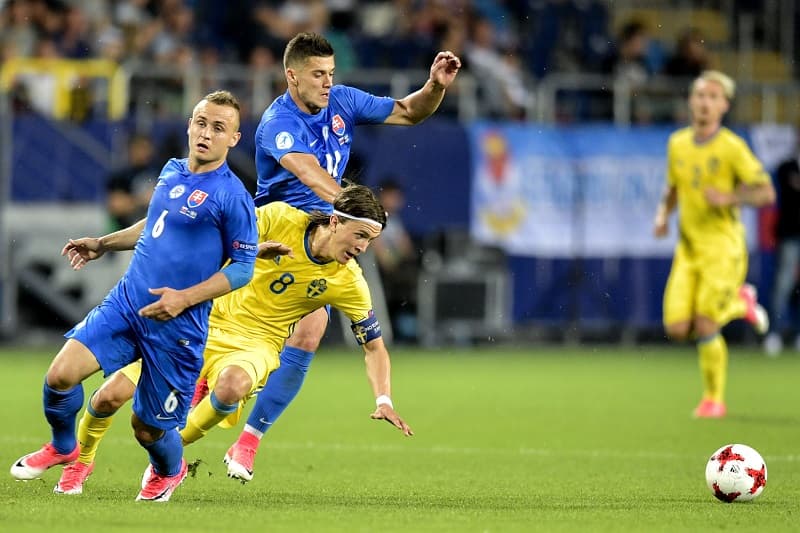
x=369 y=221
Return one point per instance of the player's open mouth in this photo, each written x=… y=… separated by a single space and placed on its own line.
x=202 y=146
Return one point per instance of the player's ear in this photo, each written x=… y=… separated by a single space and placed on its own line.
x=188 y=125
x=291 y=77
x=235 y=139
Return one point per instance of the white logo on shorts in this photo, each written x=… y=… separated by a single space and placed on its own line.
x=159 y=416
x=284 y=140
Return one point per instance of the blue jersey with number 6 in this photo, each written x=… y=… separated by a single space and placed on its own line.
x=328 y=135
x=195 y=223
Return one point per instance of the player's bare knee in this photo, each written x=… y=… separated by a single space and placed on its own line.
x=705 y=327
x=307 y=344
x=145 y=434
x=61 y=377
x=108 y=401
x=232 y=385
x=678 y=332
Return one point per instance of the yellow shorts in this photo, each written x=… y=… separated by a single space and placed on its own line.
x=254 y=356
x=133 y=371
x=703 y=286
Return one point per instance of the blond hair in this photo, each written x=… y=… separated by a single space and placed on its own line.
x=725 y=81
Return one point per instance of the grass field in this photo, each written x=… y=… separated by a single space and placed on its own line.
x=543 y=439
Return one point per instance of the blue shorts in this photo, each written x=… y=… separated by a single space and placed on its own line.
x=117 y=336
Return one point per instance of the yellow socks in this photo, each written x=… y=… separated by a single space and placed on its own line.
x=91 y=430
x=205 y=415
x=713 y=353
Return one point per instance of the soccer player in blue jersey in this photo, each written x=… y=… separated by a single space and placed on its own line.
x=199 y=217
x=302 y=147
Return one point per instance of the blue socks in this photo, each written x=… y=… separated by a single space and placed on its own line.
x=166 y=453
x=281 y=388
x=60 y=409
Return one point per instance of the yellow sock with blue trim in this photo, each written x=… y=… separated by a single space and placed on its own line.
x=91 y=430
x=205 y=415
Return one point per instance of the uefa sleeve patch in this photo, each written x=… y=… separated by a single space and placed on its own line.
x=284 y=140
x=367 y=329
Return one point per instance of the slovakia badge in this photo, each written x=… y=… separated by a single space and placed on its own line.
x=337 y=124
x=197 y=198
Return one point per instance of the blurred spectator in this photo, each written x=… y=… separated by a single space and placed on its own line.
x=788 y=238
x=75 y=38
x=38 y=89
x=503 y=79
x=397 y=262
x=319 y=21
x=691 y=56
x=172 y=44
x=628 y=61
x=129 y=188
x=17 y=30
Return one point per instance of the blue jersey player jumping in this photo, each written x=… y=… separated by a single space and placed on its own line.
x=199 y=217
x=302 y=147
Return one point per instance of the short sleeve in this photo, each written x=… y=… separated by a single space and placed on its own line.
x=284 y=134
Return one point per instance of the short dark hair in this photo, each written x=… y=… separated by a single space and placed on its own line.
x=354 y=200
x=225 y=98
x=305 y=45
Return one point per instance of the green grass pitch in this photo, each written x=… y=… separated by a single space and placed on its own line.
x=540 y=439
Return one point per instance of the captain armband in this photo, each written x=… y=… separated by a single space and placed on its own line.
x=367 y=329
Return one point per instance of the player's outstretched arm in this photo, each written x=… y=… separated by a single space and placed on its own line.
x=81 y=251
x=378 y=372
x=421 y=104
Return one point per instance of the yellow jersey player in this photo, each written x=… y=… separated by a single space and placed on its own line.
x=310 y=267
x=710 y=173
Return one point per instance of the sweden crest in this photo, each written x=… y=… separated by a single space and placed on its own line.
x=316 y=288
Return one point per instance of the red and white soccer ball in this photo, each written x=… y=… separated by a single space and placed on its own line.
x=736 y=473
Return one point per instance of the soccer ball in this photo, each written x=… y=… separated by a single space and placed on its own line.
x=736 y=473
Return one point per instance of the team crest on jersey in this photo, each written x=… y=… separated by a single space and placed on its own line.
x=316 y=288
x=177 y=191
x=337 y=124
x=713 y=165
x=197 y=198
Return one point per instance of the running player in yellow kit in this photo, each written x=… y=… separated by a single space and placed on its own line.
x=711 y=172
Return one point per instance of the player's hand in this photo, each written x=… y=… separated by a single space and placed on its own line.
x=171 y=304
x=385 y=412
x=81 y=251
x=272 y=249
x=717 y=198
x=444 y=68
x=660 y=227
